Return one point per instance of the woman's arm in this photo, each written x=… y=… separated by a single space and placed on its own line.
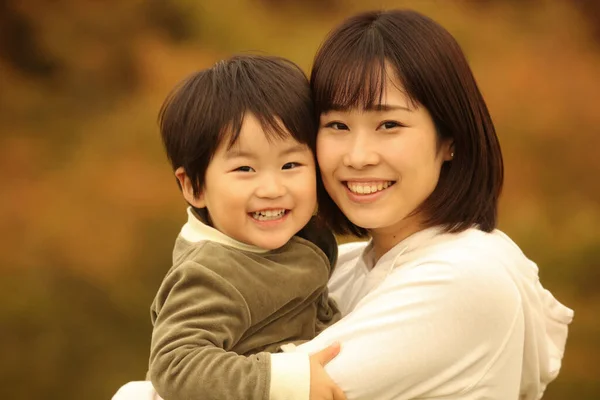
x=432 y=329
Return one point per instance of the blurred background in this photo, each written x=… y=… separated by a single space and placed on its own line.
x=89 y=208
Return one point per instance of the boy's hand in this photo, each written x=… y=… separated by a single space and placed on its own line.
x=321 y=385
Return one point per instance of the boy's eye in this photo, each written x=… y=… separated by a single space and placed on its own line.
x=290 y=165
x=244 y=168
x=337 y=126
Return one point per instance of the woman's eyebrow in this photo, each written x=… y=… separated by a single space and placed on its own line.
x=388 y=107
x=373 y=107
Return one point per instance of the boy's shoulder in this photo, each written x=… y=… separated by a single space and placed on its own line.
x=243 y=267
x=204 y=253
x=322 y=237
x=221 y=257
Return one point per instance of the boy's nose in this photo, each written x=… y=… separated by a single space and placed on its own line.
x=270 y=186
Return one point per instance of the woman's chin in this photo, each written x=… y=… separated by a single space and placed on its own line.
x=365 y=222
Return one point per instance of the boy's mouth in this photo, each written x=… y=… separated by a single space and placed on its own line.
x=269 y=215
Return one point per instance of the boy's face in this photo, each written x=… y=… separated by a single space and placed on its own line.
x=259 y=192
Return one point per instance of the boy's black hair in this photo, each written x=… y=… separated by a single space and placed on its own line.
x=208 y=108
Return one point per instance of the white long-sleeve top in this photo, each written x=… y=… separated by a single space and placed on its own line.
x=452 y=316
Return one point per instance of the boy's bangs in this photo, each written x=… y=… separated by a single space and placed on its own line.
x=272 y=128
x=355 y=81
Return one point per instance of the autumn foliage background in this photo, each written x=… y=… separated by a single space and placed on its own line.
x=89 y=208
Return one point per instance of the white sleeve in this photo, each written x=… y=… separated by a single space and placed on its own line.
x=420 y=329
x=290 y=376
x=137 y=390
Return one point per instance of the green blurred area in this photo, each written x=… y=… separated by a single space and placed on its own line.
x=89 y=207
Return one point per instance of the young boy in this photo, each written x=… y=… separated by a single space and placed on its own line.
x=250 y=266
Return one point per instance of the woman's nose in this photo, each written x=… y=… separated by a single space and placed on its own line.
x=360 y=152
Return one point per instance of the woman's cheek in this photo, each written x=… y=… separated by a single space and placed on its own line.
x=326 y=154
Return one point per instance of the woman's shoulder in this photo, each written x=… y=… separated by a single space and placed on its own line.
x=473 y=262
x=472 y=246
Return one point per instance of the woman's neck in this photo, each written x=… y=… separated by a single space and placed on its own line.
x=384 y=239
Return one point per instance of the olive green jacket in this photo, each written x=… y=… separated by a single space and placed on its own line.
x=224 y=305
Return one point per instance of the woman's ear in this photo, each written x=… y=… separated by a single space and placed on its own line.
x=448 y=150
x=188 y=191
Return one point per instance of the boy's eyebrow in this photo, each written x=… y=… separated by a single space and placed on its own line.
x=297 y=148
x=338 y=107
x=234 y=153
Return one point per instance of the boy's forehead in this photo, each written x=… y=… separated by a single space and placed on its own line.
x=247 y=121
x=257 y=135
x=254 y=146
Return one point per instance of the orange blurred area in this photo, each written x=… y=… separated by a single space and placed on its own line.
x=90 y=209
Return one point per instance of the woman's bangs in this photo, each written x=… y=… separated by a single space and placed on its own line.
x=358 y=81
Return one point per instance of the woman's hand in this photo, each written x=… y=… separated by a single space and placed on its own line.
x=322 y=386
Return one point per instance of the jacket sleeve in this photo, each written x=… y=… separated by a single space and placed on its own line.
x=197 y=317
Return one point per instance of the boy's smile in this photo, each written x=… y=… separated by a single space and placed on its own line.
x=276 y=214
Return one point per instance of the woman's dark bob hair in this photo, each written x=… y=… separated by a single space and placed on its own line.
x=349 y=71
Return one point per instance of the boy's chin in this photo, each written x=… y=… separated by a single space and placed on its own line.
x=272 y=244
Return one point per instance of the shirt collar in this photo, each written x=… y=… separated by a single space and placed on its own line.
x=404 y=247
x=197 y=231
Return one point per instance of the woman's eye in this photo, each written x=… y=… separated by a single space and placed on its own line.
x=244 y=168
x=291 y=165
x=391 y=124
x=337 y=126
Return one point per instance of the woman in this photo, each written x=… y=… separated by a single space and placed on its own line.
x=437 y=304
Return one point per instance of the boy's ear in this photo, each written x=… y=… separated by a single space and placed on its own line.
x=188 y=190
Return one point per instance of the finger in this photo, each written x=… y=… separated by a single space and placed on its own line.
x=338 y=394
x=328 y=353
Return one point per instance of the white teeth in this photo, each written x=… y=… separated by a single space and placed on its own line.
x=368 y=188
x=268 y=215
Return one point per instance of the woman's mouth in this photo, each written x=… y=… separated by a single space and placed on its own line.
x=365 y=188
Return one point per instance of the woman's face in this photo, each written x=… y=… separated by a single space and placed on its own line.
x=379 y=165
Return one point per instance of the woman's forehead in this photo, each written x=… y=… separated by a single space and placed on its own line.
x=392 y=98
x=369 y=87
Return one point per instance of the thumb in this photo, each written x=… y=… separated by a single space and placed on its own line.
x=324 y=356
